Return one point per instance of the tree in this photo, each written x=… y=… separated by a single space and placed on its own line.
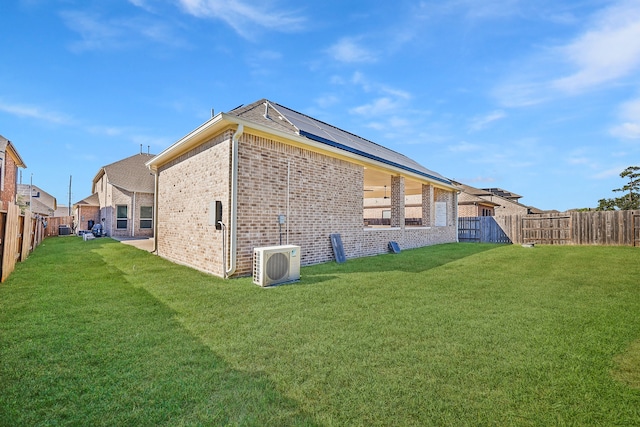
x=629 y=201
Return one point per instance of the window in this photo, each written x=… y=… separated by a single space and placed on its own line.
x=146 y=216
x=121 y=216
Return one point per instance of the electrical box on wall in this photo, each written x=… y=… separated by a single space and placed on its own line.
x=215 y=214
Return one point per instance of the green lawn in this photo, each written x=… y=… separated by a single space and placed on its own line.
x=101 y=333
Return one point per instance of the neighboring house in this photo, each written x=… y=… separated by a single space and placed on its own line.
x=490 y=202
x=125 y=191
x=471 y=203
x=62 y=210
x=285 y=178
x=87 y=212
x=36 y=200
x=10 y=161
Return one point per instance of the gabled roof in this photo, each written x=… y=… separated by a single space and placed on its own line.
x=92 y=200
x=37 y=194
x=130 y=174
x=467 y=189
x=503 y=193
x=465 y=198
x=6 y=145
x=38 y=207
x=281 y=123
x=278 y=117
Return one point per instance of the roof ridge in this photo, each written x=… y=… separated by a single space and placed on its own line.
x=330 y=125
x=127 y=158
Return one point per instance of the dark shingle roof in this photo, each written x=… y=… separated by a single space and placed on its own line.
x=284 y=119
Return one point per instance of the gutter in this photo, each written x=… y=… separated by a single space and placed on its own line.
x=133 y=216
x=155 y=211
x=233 y=217
x=223 y=119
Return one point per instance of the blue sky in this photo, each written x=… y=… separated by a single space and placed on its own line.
x=540 y=98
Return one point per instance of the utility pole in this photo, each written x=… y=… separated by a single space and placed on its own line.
x=31 y=193
x=70 y=176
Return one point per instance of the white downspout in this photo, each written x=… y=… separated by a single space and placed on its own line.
x=155 y=211
x=233 y=227
x=133 y=216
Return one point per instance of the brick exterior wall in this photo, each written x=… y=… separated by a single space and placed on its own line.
x=110 y=197
x=186 y=188
x=85 y=213
x=507 y=207
x=324 y=197
x=469 y=210
x=8 y=193
x=319 y=194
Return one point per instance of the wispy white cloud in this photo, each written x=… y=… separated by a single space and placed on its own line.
x=243 y=17
x=326 y=101
x=131 y=134
x=98 y=32
x=605 y=51
x=45 y=115
x=34 y=112
x=351 y=51
x=481 y=122
x=629 y=128
x=609 y=173
x=464 y=147
x=478 y=10
x=609 y=49
x=377 y=107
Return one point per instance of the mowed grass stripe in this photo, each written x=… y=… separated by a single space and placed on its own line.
x=459 y=334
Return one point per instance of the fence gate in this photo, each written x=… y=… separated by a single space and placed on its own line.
x=469 y=229
x=636 y=230
x=554 y=230
x=481 y=229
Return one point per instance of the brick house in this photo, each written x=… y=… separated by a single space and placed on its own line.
x=10 y=161
x=263 y=161
x=490 y=202
x=87 y=212
x=125 y=193
x=471 y=202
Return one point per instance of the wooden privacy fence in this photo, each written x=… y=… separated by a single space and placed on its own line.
x=55 y=223
x=481 y=229
x=570 y=228
x=19 y=236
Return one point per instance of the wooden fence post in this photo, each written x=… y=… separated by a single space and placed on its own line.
x=10 y=240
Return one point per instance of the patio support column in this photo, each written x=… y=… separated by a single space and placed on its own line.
x=428 y=205
x=397 y=201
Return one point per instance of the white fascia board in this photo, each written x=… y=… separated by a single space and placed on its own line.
x=188 y=141
x=340 y=153
x=221 y=120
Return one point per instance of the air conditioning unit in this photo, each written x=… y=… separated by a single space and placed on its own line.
x=273 y=265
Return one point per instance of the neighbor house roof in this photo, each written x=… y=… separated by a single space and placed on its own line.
x=38 y=207
x=37 y=195
x=130 y=174
x=503 y=193
x=469 y=193
x=271 y=118
x=92 y=200
x=6 y=145
x=465 y=198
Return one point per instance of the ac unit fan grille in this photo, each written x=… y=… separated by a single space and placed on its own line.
x=277 y=266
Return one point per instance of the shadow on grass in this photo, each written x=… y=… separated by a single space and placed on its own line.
x=408 y=261
x=80 y=345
